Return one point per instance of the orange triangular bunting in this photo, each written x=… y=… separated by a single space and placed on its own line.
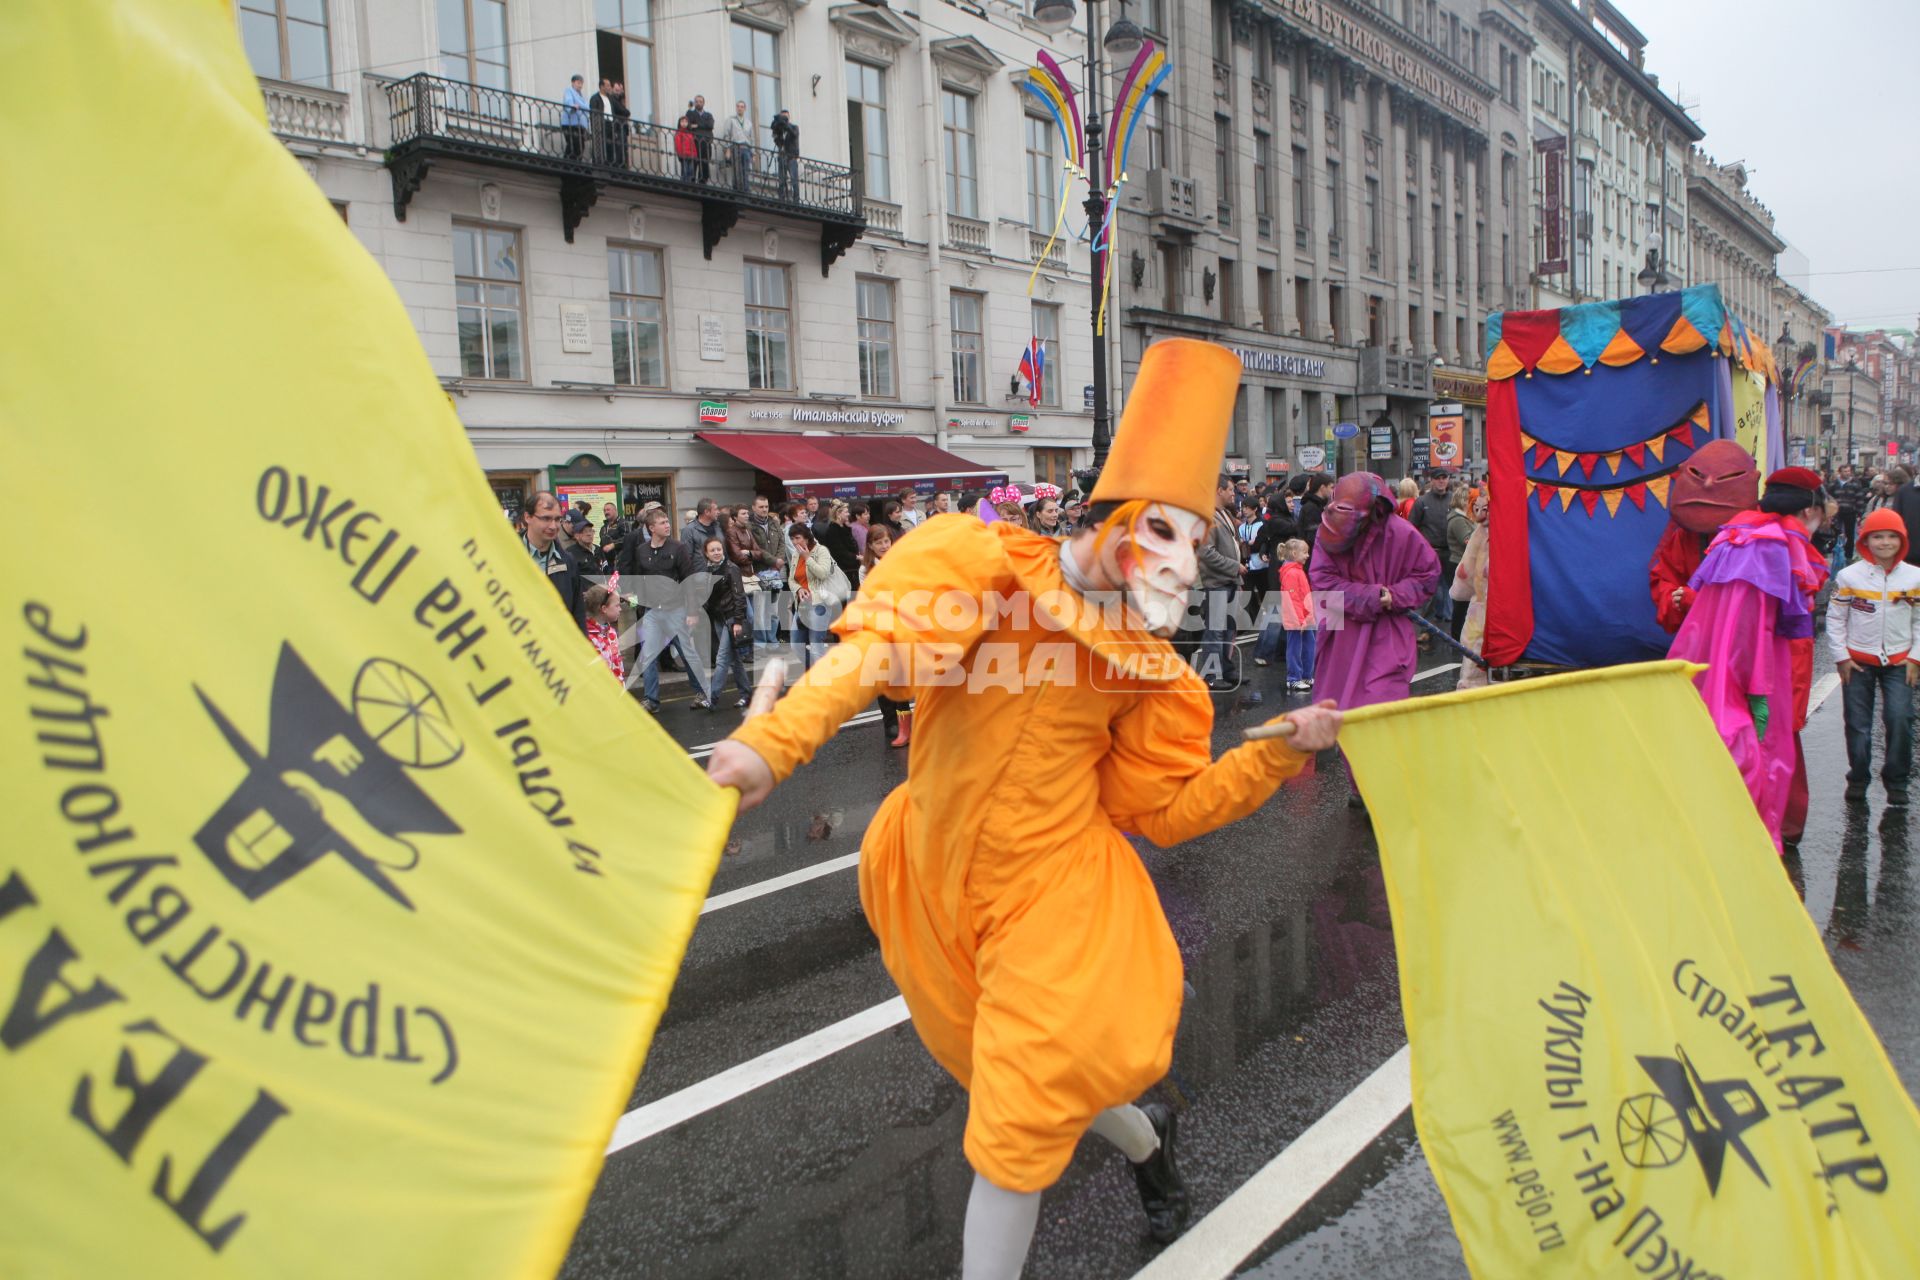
x=1658 y=447
x=1682 y=338
x=1531 y=486
x=1613 y=497
x=1613 y=462
x=1527 y=442
x=1700 y=417
x=1503 y=364
x=1566 y=498
x=1560 y=357
x=1623 y=350
x=1565 y=460
x=1658 y=488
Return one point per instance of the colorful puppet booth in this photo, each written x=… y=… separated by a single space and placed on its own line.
x=1590 y=410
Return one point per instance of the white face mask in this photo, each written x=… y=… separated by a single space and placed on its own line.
x=1160 y=568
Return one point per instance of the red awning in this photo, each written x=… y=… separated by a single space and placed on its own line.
x=849 y=466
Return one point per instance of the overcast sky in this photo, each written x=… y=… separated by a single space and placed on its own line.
x=1818 y=100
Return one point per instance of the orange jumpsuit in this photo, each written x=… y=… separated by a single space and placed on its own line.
x=1017 y=921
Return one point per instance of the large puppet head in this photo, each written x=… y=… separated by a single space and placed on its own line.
x=1161 y=473
x=1359 y=501
x=1715 y=484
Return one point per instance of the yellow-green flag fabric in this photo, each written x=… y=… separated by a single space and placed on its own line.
x=1631 y=1055
x=342 y=887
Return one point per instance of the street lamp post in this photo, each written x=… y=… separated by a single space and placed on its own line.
x=1123 y=40
x=1849 y=410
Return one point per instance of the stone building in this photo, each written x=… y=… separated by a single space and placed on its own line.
x=1610 y=148
x=1798 y=347
x=1333 y=188
x=1730 y=241
x=610 y=314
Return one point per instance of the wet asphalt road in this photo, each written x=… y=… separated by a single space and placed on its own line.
x=851 y=1165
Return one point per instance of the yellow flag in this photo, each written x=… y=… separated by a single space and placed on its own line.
x=342 y=886
x=1630 y=1052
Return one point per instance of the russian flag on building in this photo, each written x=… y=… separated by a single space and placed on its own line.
x=1033 y=367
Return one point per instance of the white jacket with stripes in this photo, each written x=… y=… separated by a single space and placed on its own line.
x=1872 y=611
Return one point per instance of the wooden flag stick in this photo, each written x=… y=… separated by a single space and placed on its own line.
x=1272 y=729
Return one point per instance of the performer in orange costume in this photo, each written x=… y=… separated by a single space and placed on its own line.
x=1015 y=917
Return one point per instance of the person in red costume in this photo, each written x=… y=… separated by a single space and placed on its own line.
x=1717 y=483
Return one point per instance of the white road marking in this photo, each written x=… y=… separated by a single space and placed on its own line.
x=1214 y=1247
x=1822 y=690
x=761 y=888
x=716 y=1091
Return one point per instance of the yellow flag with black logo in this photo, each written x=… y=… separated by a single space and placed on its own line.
x=342 y=887
x=1631 y=1055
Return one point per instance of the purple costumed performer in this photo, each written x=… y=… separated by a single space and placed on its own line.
x=1369 y=570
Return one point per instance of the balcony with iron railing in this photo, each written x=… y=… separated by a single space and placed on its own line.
x=433 y=119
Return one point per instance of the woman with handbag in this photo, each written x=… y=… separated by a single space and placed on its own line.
x=820 y=591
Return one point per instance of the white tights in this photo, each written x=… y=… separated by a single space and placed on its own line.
x=1000 y=1223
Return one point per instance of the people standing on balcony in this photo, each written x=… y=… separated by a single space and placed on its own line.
x=573 y=117
x=701 y=121
x=786 y=140
x=603 y=123
x=685 y=148
x=736 y=134
x=622 y=126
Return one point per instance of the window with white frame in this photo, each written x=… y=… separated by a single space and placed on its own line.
x=1043 y=177
x=473 y=42
x=487 y=288
x=968 y=325
x=867 y=87
x=636 y=298
x=1046 y=327
x=957 y=126
x=287 y=39
x=769 y=327
x=873 y=303
x=756 y=77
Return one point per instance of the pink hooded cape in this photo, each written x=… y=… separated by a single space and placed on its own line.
x=1752 y=600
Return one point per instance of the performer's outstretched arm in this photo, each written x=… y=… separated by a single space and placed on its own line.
x=1159 y=779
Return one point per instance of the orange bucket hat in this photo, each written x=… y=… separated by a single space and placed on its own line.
x=1172 y=437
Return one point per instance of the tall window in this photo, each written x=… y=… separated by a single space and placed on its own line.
x=1229 y=299
x=1154 y=125
x=1223 y=168
x=1336 y=211
x=769 y=328
x=1413 y=231
x=1263 y=283
x=1373 y=223
x=286 y=39
x=1336 y=312
x=969 y=343
x=756 y=77
x=1439 y=263
x=636 y=299
x=873 y=302
x=1043 y=177
x=1302 y=206
x=487 y=296
x=1046 y=327
x=867 y=100
x=963 y=167
x=473 y=41
x=625 y=44
x=1262 y=176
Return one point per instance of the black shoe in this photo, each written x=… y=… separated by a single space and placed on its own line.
x=1163 y=1192
x=703 y=704
x=1856 y=792
x=743 y=701
x=651 y=705
x=1896 y=799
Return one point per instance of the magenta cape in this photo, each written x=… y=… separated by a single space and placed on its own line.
x=1750 y=600
x=1367 y=656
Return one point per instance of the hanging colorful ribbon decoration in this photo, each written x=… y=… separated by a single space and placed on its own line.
x=1047 y=83
x=1150 y=67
